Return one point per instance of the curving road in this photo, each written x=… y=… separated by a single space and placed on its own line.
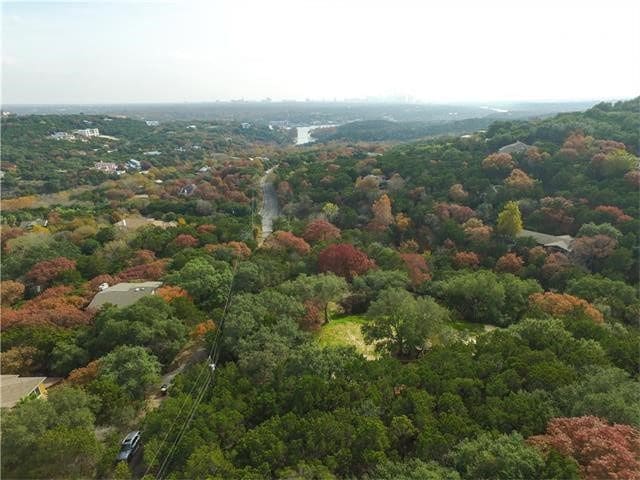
x=269 y=209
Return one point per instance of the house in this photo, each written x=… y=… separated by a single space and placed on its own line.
x=152 y=123
x=62 y=136
x=204 y=169
x=134 y=223
x=153 y=153
x=245 y=125
x=106 y=167
x=133 y=164
x=30 y=224
x=14 y=388
x=87 y=132
x=559 y=242
x=123 y=294
x=187 y=190
x=517 y=147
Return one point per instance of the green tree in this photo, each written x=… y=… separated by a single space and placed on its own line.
x=123 y=472
x=509 y=220
x=478 y=296
x=323 y=288
x=366 y=287
x=603 y=291
x=412 y=469
x=66 y=417
x=403 y=325
x=115 y=403
x=149 y=323
x=133 y=368
x=206 y=283
x=65 y=453
x=487 y=297
x=605 y=392
x=209 y=462
x=500 y=457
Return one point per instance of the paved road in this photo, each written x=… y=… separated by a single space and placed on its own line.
x=269 y=209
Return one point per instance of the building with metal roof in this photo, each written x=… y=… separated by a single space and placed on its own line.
x=562 y=242
x=124 y=294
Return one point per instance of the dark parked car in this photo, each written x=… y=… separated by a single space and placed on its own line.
x=129 y=447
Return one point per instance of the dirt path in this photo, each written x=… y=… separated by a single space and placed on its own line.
x=189 y=356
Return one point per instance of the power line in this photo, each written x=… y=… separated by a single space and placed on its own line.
x=214 y=354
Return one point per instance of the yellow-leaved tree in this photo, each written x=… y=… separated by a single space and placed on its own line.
x=509 y=220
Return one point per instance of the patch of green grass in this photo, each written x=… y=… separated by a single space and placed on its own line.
x=346 y=330
x=468 y=327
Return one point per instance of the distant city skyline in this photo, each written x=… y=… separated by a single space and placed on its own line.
x=436 y=52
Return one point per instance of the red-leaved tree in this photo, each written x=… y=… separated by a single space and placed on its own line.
x=171 y=292
x=149 y=271
x=344 y=260
x=603 y=451
x=185 y=240
x=281 y=240
x=564 y=304
x=502 y=162
x=56 y=306
x=586 y=249
x=509 y=263
x=459 y=213
x=466 y=260
x=321 y=231
x=616 y=214
x=417 y=267
x=47 y=270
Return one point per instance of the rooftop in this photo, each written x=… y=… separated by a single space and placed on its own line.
x=123 y=294
x=14 y=388
x=516 y=147
x=559 y=241
x=133 y=223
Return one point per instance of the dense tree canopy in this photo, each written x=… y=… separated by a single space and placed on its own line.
x=394 y=325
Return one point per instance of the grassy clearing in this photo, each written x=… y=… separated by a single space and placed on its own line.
x=346 y=330
x=467 y=327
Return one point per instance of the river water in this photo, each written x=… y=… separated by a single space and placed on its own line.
x=304 y=133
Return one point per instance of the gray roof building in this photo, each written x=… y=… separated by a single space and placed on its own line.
x=517 y=147
x=124 y=294
x=562 y=242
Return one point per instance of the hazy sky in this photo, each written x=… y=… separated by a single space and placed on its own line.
x=434 y=50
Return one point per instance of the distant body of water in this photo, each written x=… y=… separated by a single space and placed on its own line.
x=304 y=133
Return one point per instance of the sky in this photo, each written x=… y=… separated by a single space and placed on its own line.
x=432 y=50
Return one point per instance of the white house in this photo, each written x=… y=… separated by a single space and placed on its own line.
x=88 y=132
x=62 y=136
x=106 y=167
x=134 y=164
